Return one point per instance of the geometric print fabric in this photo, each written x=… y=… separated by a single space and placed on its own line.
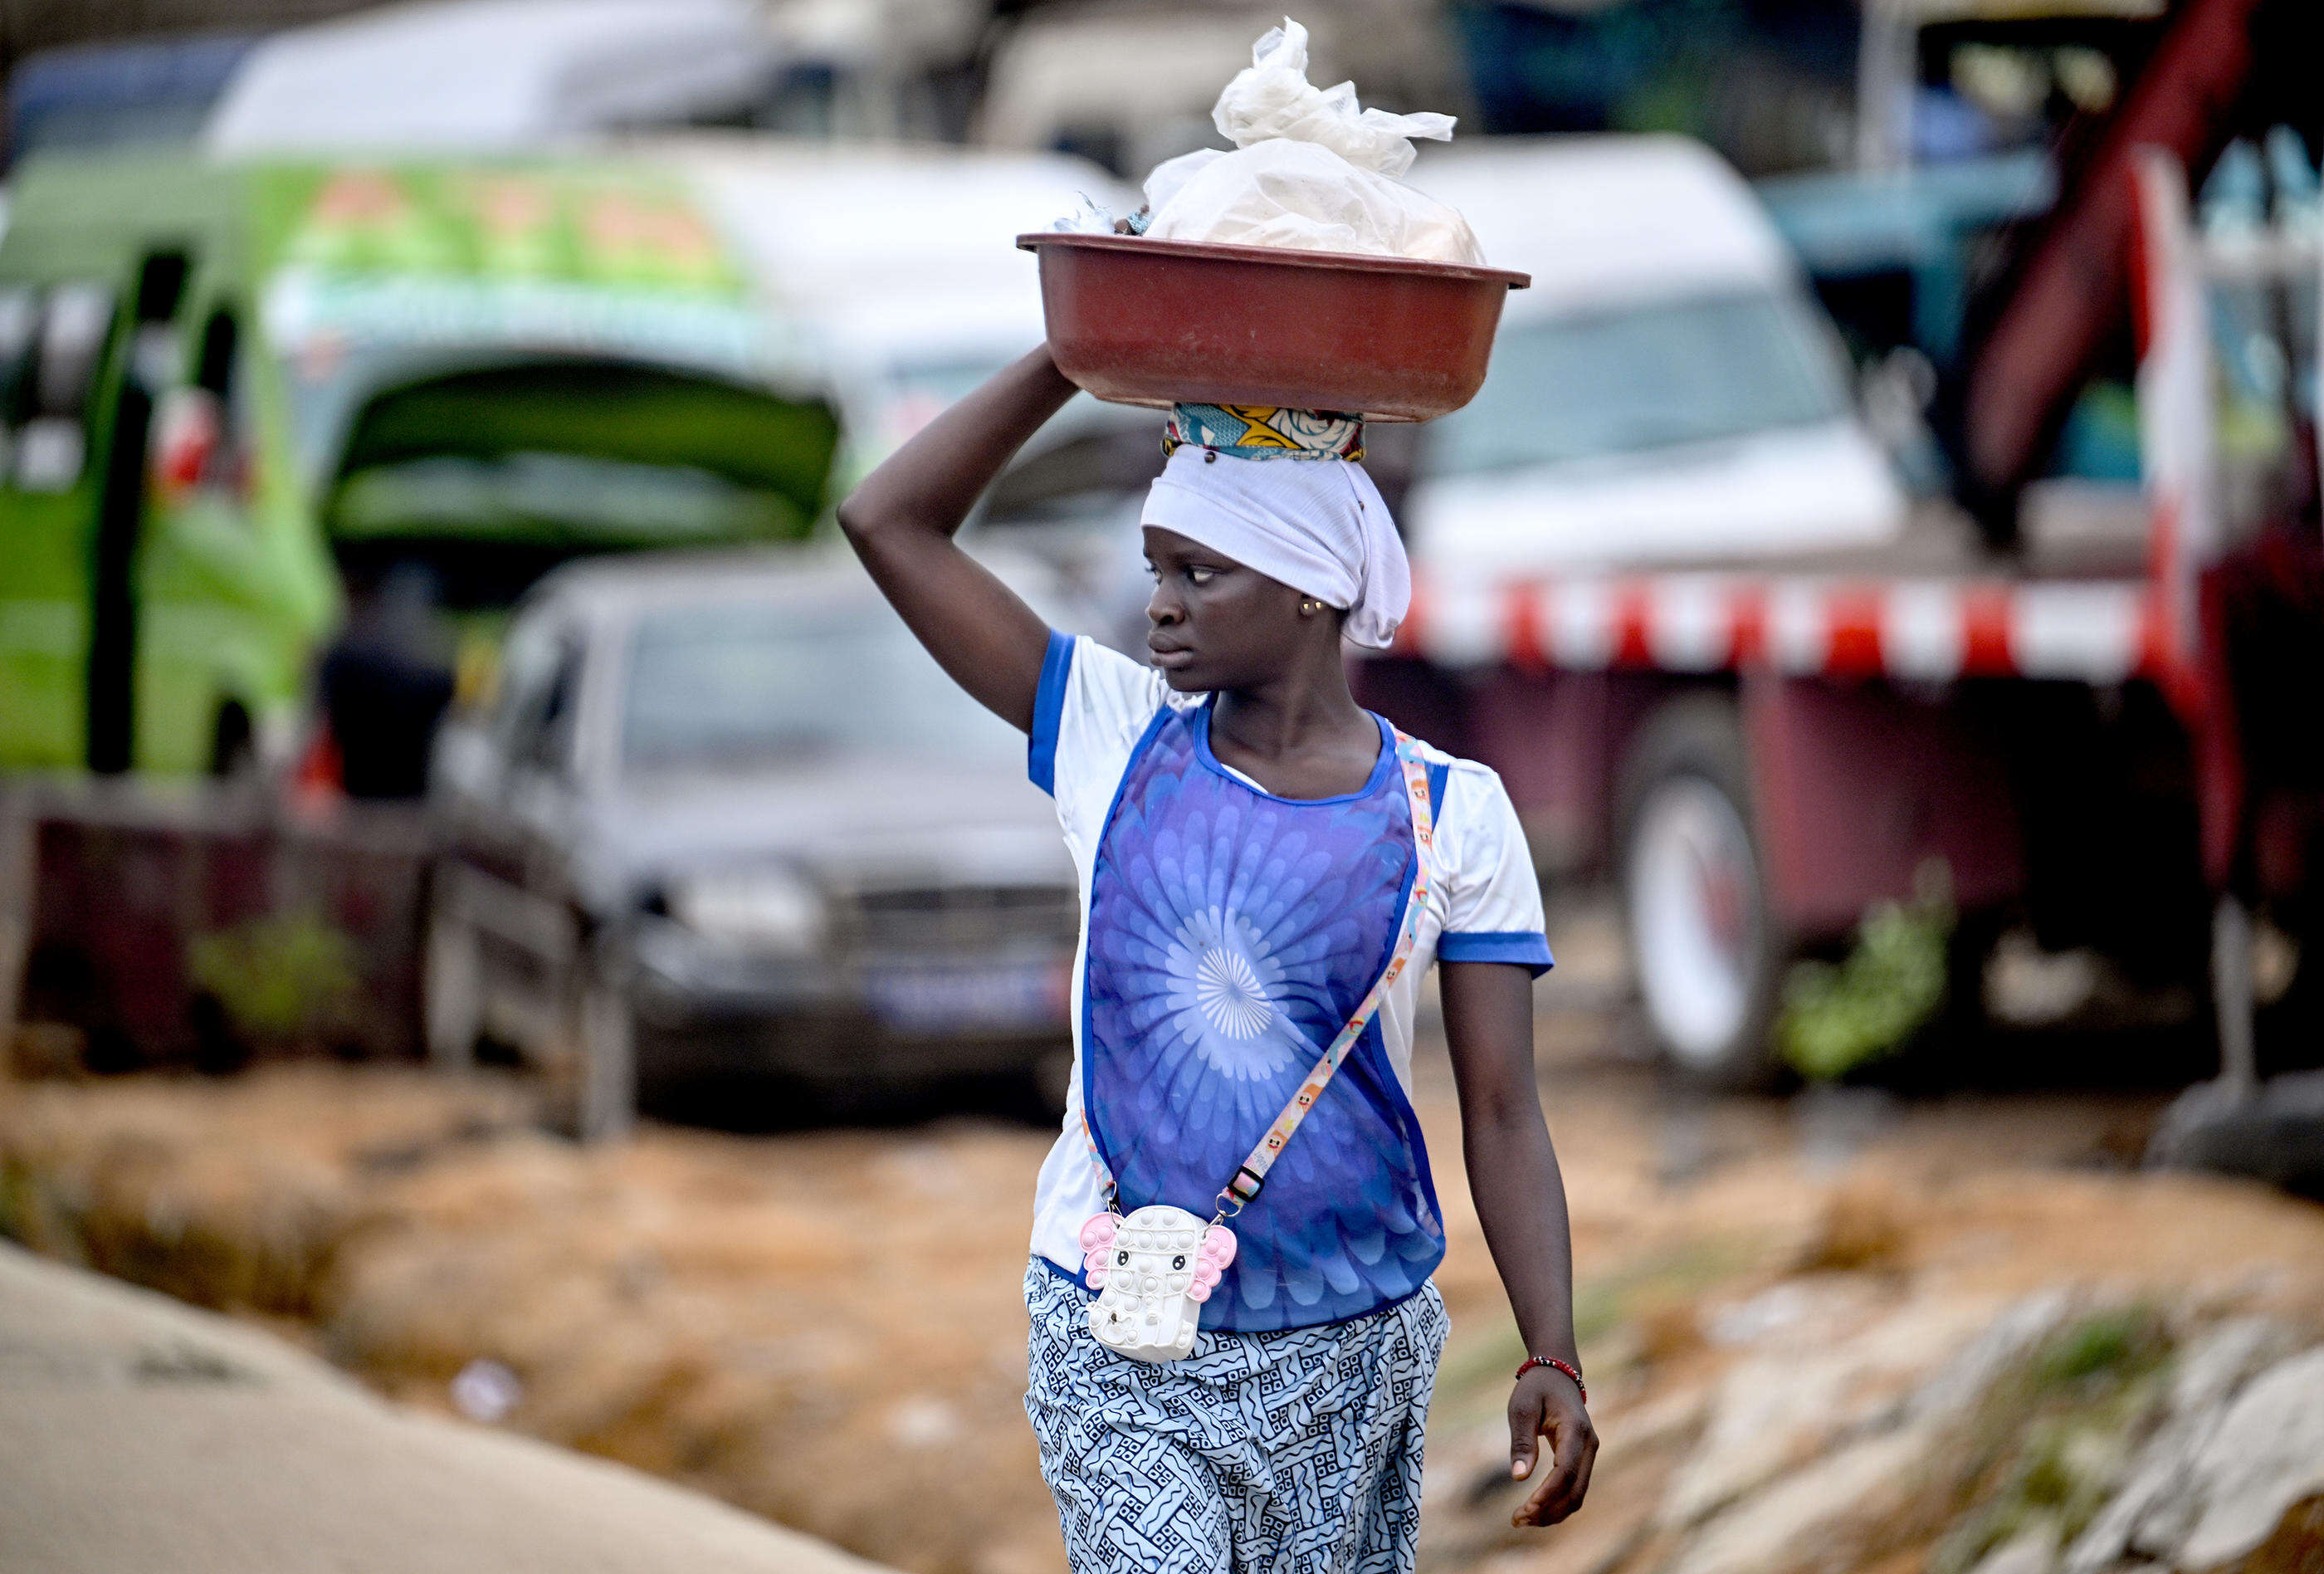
x=1290 y=1452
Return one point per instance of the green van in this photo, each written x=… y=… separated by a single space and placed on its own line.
x=225 y=388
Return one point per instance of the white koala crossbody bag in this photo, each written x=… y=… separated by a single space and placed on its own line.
x=1154 y=1269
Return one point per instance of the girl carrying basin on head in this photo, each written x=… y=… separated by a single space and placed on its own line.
x=1267 y=871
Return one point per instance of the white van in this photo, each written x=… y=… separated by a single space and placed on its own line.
x=1668 y=393
x=897 y=267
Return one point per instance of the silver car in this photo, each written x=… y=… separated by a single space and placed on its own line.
x=727 y=823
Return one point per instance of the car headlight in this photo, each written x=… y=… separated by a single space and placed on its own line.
x=757 y=910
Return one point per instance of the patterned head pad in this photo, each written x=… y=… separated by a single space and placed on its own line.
x=1263 y=431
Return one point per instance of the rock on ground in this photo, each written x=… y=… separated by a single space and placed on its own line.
x=1860 y=1452
x=1838 y=1512
x=2033 y=1553
x=2153 y=1509
x=139 y=1433
x=1790 y=1403
x=2265 y=1457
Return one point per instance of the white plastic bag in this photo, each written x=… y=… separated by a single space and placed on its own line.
x=1171 y=174
x=1273 y=98
x=1310 y=170
x=1304 y=196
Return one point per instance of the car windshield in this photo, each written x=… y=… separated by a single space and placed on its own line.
x=1644 y=377
x=745 y=685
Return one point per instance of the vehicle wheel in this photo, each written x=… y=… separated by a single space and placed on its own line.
x=1703 y=937
x=451 y=988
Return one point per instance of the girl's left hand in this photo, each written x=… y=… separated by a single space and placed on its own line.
x=1544 y=1404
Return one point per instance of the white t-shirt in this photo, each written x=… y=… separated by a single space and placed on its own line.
x=1094 y=706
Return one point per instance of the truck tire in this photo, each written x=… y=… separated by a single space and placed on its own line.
x=1703 y=940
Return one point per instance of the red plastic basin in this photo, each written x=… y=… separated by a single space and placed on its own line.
x=1141 y=322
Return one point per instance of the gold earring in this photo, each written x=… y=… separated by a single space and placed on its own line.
x=1311 y=607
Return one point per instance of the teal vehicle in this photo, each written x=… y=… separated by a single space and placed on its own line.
x=229 y=390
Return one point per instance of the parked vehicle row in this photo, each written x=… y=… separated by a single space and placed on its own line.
x=421 y=386
x=1668 y=585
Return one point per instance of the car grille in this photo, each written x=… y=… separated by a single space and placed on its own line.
x=962 y=918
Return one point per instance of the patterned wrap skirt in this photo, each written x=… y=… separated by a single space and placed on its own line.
x=1291 y=1452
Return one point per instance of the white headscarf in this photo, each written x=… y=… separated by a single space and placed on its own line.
x=1318 y=525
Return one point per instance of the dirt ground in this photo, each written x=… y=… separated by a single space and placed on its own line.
x=825 y=1325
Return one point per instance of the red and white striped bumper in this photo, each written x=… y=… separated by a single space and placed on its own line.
x=2099 y=631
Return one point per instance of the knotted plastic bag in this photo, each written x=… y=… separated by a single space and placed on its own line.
x=1311 y=170
x=1273 y=98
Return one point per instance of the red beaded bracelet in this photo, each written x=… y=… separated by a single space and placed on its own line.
x=1533 y=1361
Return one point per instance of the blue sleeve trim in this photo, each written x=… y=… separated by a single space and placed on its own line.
x=1049 y=704
x=1527 y=948
x=1436 y=774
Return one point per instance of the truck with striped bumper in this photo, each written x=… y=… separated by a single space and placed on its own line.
x=2107 y=731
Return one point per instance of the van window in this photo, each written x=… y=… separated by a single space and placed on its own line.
x=1645 y=376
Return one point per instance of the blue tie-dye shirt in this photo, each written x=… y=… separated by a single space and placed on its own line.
x=1229 y=934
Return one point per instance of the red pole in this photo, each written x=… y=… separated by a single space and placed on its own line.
x=2075 y=288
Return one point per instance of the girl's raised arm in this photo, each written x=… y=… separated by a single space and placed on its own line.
x=902 y=519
